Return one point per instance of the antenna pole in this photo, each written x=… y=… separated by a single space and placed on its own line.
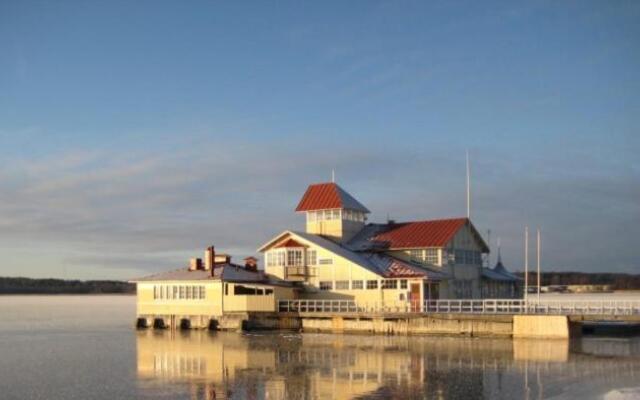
x=538 y=265
x=526 y=262
x=468 y=188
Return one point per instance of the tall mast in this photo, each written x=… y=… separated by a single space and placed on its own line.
x=526 y=261
x=468 y=188
x=333 y=175
x=538 y=264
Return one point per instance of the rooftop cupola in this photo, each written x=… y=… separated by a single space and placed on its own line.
x=332 y=212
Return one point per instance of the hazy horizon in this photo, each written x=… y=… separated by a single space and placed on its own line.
x=133 y=135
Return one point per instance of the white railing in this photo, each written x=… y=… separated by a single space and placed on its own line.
x=490 y=306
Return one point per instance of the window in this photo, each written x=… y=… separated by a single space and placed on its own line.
x=240 y=290
x=372 y=284
x=326 y=285
x=342 y=285
x=357 y=285
x=311 y=216
x=347 y=215
x=477 y=258
x=403 y=283
x=470 y=257
x=294 y=257
x=389 y=284
x=448 y=257
x=416 y=255
x=275 y=258
x=202 y=292
x=182 y=292
x=431 y=256
x=312 y=257
x=188 y=292
x=459 y=257
x=328 y=215
x=326 y=261
x=155 y=292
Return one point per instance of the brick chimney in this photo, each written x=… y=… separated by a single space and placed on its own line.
x=209 y=257
x=251 y=264
x=195 y=263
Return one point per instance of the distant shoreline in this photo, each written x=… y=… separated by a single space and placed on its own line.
x=30 y=286
x=67 y=294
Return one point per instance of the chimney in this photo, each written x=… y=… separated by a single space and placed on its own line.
x=221 y=258
x=251 y=264
x=209 y=257
x=195 y=263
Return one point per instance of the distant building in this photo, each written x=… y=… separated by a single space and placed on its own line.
x=499 y=283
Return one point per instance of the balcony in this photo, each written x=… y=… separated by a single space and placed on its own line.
x=299 y=272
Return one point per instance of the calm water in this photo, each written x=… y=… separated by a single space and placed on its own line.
x=84 y=347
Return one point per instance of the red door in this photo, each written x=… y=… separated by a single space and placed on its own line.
x=414 y=297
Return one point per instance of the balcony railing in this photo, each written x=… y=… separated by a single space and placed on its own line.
x=299 y=271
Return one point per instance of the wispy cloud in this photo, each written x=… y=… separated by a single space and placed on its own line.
x=151 y=209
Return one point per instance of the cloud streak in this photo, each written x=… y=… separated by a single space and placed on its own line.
x=151 y=209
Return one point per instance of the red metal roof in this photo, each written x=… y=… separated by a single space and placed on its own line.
x=418 y=234
x=325 y=196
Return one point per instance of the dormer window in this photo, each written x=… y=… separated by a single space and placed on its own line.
x=290 y=257
x=289 y=253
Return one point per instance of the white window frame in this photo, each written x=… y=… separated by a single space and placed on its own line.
x=295 y=257
x=342 y=285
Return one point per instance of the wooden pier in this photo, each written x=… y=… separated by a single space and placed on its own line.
x=511 y=318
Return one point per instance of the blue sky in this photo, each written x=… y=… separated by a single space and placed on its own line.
x=133 y=134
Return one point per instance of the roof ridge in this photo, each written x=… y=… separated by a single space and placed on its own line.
x=431 y=220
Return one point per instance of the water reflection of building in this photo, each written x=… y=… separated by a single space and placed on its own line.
x=280 y=366
x=207 y=361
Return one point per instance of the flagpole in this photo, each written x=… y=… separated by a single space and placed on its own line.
x=526 y=262
x=538 y=265
x=468 y=188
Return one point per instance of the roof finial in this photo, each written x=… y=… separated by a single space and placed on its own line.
x=333 y=175
x=499 y=254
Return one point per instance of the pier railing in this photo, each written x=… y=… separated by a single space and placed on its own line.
x=490 y=306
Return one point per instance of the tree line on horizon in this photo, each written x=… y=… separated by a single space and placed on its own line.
x=61 y=286
x=618 y=281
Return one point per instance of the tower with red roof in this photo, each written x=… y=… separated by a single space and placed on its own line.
x=332 y=212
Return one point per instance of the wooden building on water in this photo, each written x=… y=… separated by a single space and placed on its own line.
x=339 y=256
